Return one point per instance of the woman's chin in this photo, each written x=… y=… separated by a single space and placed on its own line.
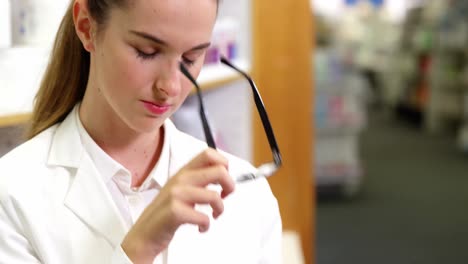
x=146 y=125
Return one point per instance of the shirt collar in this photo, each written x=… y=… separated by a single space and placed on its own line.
x=111 y=169
x=160 y=171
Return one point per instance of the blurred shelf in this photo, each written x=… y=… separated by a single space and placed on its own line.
x=215 y=76
x=14 y=120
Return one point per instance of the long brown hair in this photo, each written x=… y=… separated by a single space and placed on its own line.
x=65 y=79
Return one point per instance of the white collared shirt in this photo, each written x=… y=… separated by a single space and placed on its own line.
x=131 y=201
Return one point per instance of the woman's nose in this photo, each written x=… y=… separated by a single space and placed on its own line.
x=168 y=81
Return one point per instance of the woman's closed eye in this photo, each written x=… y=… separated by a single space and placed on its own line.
x=144 y=55
x=191 y=57
x=188 y=62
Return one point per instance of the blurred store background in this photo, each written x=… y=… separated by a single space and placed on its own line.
x=391 y=120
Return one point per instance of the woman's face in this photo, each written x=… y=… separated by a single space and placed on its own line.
x=136 y=59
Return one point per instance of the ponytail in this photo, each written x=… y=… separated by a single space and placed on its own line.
x=64 y=81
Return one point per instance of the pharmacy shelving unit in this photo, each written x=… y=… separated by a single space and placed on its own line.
x=339 y=118
x=447 y=85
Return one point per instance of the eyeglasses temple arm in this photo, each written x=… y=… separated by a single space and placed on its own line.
x=262 y=112
x=206 y=127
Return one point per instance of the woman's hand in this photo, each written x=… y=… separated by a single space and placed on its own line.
x=175 y=206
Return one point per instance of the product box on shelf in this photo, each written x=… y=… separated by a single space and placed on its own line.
x=35 y=22
x=224 y=41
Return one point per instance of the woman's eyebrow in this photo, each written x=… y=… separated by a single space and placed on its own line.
x=201 y=46
x=149 y=37
x=163 y=43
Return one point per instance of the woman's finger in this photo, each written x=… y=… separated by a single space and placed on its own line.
x=211 y=175
x=206 y=158
x=186 y=214
x=195 y=195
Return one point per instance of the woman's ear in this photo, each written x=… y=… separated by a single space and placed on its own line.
x=84 y=24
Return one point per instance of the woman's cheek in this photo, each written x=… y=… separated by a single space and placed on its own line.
x=132 y=73
x=186 y=89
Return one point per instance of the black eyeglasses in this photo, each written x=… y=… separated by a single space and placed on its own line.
x=265 y=170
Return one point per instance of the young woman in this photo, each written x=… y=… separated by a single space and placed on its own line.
x=105 y=176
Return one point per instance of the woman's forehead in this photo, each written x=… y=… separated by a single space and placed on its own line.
x=191 y=20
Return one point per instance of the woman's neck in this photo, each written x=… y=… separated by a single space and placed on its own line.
x=136 y=151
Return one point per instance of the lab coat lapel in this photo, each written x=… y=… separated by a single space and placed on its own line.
x=90 y=200
x=88 y=197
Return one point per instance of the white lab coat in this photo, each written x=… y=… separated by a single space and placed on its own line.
x=55 y=208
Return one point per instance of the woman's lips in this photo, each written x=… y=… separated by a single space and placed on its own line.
x=156 y=109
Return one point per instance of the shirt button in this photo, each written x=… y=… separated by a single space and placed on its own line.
x=134 y=199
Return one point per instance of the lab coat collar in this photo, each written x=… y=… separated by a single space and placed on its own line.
x=88 y=197
x=66 y=149
x=90 y=200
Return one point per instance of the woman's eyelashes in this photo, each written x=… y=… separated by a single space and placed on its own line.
x=188 y=62
x=144 y=55
x=148 y=56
